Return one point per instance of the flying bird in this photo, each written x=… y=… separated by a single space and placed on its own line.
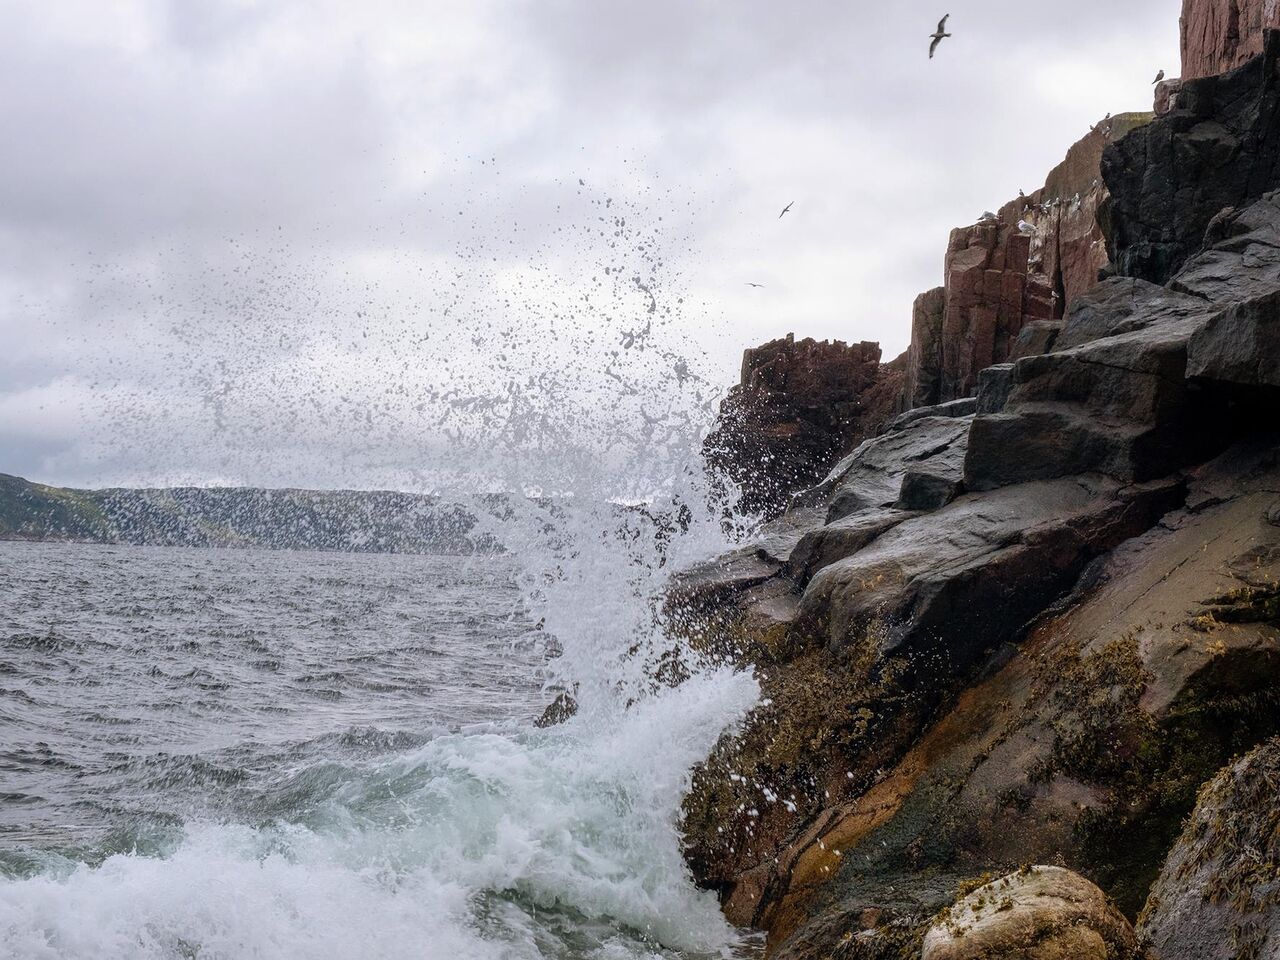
x=750 y=284
x=938 y=35
x=786 y=209
x=1159 y=77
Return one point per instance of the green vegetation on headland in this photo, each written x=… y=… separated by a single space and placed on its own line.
x=350 y=521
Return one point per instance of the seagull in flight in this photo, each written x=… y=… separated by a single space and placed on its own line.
x=786 y=209
x=750 y=284
x=938 y=35
x=1159 y=77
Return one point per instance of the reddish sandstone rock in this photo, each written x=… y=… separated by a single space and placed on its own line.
x=999 y=278
x=1220 y=35
x=800 y=405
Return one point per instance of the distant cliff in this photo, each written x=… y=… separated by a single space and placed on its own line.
x=351 y=521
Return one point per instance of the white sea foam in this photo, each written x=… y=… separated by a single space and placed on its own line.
x=459 y=849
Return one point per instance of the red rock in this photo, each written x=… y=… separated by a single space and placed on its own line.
x=800 y=405
x=1220 y=35
x=998 y=279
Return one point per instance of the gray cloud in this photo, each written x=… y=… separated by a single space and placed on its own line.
x=326 y=243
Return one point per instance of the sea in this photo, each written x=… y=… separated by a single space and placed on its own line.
x=225 y=754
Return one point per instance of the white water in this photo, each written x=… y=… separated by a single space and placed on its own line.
x=574 y=819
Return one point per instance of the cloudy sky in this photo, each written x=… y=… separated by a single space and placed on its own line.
x=321 y=242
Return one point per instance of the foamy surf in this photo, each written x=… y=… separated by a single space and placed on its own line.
x=532 y=844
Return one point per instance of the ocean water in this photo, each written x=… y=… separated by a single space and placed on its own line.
x=232 y=754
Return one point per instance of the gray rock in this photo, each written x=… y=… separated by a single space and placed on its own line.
x=1037 y=337
x=994 y=385
x=952 y=408
x=1122 y=305
x=1218 y=147
x=872 y=475
x=1218 y=896
x=842 y=538
x=928 y=490
x=969 y=576
x=1239 y=345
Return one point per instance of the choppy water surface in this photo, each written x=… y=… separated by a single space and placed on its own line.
x=225 y=754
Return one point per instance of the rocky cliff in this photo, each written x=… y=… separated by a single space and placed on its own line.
x=1008 y=279
x=798 y=408
x=1220 y=35
x=1025 y=627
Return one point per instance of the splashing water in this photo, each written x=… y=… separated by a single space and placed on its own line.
x=345 y=813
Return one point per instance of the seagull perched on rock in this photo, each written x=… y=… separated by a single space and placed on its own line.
x=938 y=35
x=786 y=209
x=1159 y=77
x=986 y=215
x=1024 y=227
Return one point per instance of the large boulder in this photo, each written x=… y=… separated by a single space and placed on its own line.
x=874 y=474
x=1039 y=913
x=1218 y=896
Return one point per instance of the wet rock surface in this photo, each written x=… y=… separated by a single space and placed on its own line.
x=1029 y=626
x=1217 y=149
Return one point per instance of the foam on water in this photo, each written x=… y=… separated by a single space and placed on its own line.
x=501 y=840
x=531 y=844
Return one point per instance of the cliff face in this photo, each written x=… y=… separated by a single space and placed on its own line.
x=1220 y=35
x=1001 y=278
x=1026 y=627
x=1215 y=152
x=800 y=405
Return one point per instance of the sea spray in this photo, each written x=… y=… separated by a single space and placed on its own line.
x=501 y=840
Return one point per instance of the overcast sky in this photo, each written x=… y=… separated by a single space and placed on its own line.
x=335 y=243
